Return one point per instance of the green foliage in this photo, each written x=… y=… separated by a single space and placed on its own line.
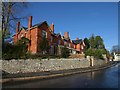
x=65 y=53
x=96 y=42
x=16 y=51
x=98 y=54
x=89 y=52
x=22 y=45
x=44 y=47
x=92 y=41
x=11 y=51
x=87 y=44
x=99 y=42
x=95 y=47
x=23 y=40
x=39 y=56
x=108 y=54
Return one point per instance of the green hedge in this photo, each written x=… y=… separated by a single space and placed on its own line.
x=97 y=53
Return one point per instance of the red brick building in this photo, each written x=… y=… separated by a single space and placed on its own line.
x=35 y=33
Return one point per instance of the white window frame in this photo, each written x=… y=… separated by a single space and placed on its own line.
x=59 y=41
x=81 y=46
x=43 y=31
x=69 y=44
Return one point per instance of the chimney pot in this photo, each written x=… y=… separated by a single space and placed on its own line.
x=66 y=35
x=77 y=38
x=52 y=27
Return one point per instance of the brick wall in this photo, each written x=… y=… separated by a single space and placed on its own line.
x=34 y=34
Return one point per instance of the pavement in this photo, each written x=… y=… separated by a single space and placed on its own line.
x=8 y=78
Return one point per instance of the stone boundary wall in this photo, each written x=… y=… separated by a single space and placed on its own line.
x=36 y=65
x=98 y=62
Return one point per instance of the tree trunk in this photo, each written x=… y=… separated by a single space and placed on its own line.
x=2 y=15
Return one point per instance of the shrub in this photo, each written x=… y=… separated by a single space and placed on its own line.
x=17 y=51
x=98 y=54
x=65 y=53
x=44 y=46
x=89 y=52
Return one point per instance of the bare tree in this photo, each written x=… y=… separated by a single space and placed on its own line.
x=11 y=13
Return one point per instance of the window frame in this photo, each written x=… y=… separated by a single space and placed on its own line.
x=44 y=33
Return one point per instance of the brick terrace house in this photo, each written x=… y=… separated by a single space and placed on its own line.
x=35 y=33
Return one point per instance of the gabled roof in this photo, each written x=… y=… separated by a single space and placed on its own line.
x=58 y=34
x=34 y=26
x=39 y=24
x=66 y=39
x=23 y=28
x=77 y=41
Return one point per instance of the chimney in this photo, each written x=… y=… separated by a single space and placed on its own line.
x=77 y=38
x=30 y=22
x=52 y=27
x=17 y=27
x=66 y=35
